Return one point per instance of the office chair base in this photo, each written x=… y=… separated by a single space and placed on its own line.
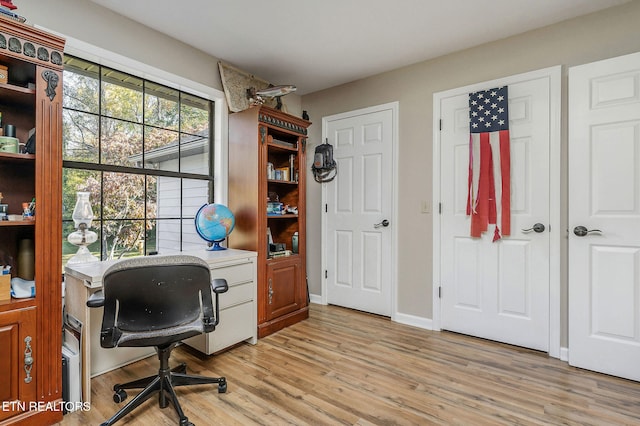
x=163 y=384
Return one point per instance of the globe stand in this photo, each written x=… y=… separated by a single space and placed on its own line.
x=216 y=246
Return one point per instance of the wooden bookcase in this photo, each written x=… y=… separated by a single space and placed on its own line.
x=30 y=328
x=261 y=137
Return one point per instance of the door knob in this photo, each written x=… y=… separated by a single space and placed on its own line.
x=538 y=227
x=384 y=223
x=582 y=231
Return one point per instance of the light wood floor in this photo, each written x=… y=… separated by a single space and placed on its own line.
x=347 y=367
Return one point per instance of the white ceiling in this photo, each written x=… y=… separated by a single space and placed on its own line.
x=316 y=44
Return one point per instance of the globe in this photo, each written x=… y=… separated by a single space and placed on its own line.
x=213 y=223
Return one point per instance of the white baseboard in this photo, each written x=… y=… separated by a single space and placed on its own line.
x=420 y=322
x=415 y=321
x=315 y=298
x=564 y=354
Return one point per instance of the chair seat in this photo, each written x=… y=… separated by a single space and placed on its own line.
x=160 y=337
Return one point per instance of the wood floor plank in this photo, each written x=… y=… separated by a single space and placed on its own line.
x=344 y=367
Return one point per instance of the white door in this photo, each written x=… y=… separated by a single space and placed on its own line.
x=604 y=195
x=359 y=210
x=500 y=290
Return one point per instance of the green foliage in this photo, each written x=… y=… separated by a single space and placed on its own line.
x=110 y=131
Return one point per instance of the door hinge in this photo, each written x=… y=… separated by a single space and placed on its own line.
x=439 y=208
x=440 y=292
x=326 y=208
x=441 y=124
x=326 y=274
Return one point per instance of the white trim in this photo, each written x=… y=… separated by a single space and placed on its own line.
x=394 y=107
x=316 y=298
x=564 y=354
x=114 y=60
x=554 y=75
x=414 y=321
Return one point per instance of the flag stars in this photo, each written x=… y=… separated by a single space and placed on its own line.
x=488 y=110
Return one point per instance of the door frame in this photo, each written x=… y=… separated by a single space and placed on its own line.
x=394 y=107
x=555 y=127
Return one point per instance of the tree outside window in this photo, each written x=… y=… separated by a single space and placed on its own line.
x=143 y=151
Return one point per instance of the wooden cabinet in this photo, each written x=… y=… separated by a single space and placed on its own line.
x=267 y=160
x=17 y=329
x=30 y=327
x=283 y=287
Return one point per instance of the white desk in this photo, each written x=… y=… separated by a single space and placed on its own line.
x=238 y=311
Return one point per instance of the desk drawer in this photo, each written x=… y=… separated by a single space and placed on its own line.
x=237 y=323
x=238 y=293
x=234 y=273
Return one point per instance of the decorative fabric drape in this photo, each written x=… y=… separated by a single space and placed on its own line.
x=489 y=197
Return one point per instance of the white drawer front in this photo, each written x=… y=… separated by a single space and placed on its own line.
x=236 y=324
x=234 y=274
x=236 y=294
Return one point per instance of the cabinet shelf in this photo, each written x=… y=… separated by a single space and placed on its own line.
x=7 y=156
x=11 y=304
x=17 y=95
x=17 y=223
x=276 y=146
x=276 y=259
x=282 y=216
x=282 y=182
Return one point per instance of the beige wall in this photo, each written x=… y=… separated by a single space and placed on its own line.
x=602 y=35
x=605 y=34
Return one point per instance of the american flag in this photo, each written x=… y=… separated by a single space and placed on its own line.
x=489 y=200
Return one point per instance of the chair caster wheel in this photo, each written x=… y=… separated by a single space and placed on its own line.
x=119 y=396
x=186 y=422
x=222 y=387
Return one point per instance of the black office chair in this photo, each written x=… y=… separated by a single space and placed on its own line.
x=158 y=301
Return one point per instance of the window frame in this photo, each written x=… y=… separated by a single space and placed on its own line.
x=218 y=135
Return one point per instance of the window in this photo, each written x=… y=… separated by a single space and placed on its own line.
x=145 y=153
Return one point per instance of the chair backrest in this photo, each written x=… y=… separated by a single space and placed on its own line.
x=152 y=293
